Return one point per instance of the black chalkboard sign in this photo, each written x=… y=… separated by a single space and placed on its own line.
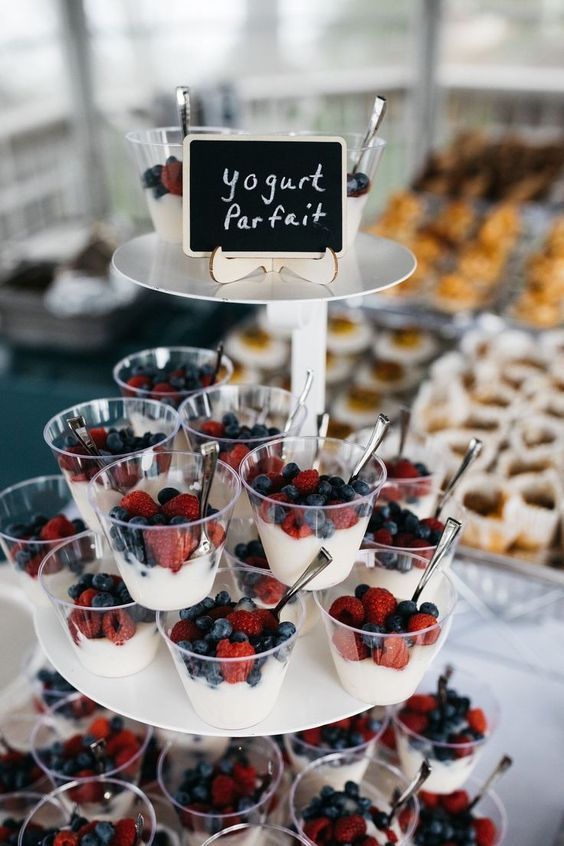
x=264 y=196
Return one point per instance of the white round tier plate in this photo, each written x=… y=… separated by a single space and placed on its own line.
x=16 y=633
x=310 y=696
x=371 y=266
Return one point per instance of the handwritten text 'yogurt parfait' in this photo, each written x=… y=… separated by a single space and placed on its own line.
x=269 y=190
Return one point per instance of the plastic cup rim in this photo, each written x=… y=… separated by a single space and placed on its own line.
x=36 y=479
x=348 y=750
x=225 y=361
x=240 y=827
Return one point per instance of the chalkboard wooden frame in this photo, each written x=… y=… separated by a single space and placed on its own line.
x=249 y=139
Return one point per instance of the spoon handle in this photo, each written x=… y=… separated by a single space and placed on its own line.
x=301 y=401
x=78 y=427
x=319 y=563
x=405 y=421
x=501 y=768
x=183 y=108
x=378 y=112
x=473 y=451
x=210 y=453
x=450 y=531
x=217 y=367
x=139 y=826
x=378 y=433
x=411 y=789
x=322 y=429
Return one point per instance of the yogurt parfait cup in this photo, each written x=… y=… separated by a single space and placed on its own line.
x=102 y=799
x=210 y=795
x=356 y=737
x=33 y=521
x=14 y=808
x=486 y=824
x=119 y=427
x=111 y=640
x=169 y=374
x=121 y=746
x=158 y=556
x=18 y=768
x=291 y=530
x=375 y=664
x=324 y=784
x=232 y=679
x=265 y=835
x=158 y=156
x=48 y=687
x=451 y=740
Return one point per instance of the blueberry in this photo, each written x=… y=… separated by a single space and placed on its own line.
x=314 y=519
x=361 y=487
x=118 y=513
x=394 y=623
x=116 y=723
x=352 y=186
x=259 y=431
x=74 y=591
x=246 y=604
x=346 y=493
x=429 y=608
x=102 y=581
x=389 y=560
x=240 y=552
x=79 y=525
x=327 y=530
x=221 y=629
x=362 y=182
x=424 y=531
x=222 y=598
x=371 y=628
x=360 y=590
x=291 y=492
x=381 y=820
x=254 y=677
x=158 y=520
x=391 y=527
x=351 y=789
x=165 y=494
x=421 y=468
x=262 y=484
x=178 y=520
x=255 y=547
x=213 y=674
x=204 y=623
x=315 y=499
x=406 y=608
x=114 y=443
x=290 y=470
x=200 y=647
x=230 y=419
x=103 y=600
x=232 y=432
x=276 y=514
x=336 y=481
x=200 y=793
x=238 y=637
x=156 y=438
x=152 y=176
x=324 y=489
x=138 y=521
x=286 y=630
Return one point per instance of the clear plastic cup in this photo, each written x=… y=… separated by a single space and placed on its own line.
x=383 y=669
x=292 y=535
x=47 y=686
x=170 y=358
x=168 y=824
x=232 y=693
x=98 y=799
x=260 y=752
x=153 y=149
x=155 y=560
x=48 y=735
x=491 y=807
x=44 y=497
x=379 y=783
x=140 y=414
x=14 y=808
x=18 y=769
x=111 y=641
x=451 y=763
x=301 y=753
x=265 y=835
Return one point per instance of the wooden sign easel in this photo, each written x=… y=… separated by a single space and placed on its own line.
x=322 y=270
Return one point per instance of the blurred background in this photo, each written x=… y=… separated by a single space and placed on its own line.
x=75 y=75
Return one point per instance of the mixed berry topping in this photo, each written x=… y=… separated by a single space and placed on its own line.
x=339 y=817
x=288 y=484
x=446 y=821
x=229 y=785
x=18 y=770
x=164 y=179
x=392 y=525
x=29 y=555
x=53 y=687
x=252 y=554
x=111 y=442
x=167 y=383
x=457 y=724
x=357 y=184
x=403 y=468
x=377 y=612
x=98 y=591
x=82 y=832
x=343 y=734
x=169 y=548
x=230 y=428
x=105 y=746
x=223 y=628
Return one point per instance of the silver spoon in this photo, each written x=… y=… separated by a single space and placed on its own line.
x=446 y=540
x=217 y=367
x=405 y=421
x=301 y=402
x=501 y=768
x=378 y=112
x=378 y=433
x=472 y=452
x=319 y=563
x=78 y=427
x=322 y=429
x=98 y=749
x=418 y=780
x=183 y=108
x=210 y=453
x=139 y=826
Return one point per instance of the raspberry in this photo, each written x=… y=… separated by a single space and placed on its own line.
x=73 y=746
x=235 y=671
x=98 y=435
x=486 y=832
x=393 y=653
x=56 y=528
x=350 y=645
x=162 y=388
x=348 y=610
x=235 y=455
x=418 y=543
x=213 y=428
x=219 y=611
x=294 y=526
x=477 y=720
x=223 y=790
x=185 y=630
x=383 y=536
x=269 y=621
x=216 y=533
x=319 y=830
x=125 y=833
x=140 y=383
x=269 y=590
x=124 y=739
x=171 y=177
x=378 y=604
x=84 y=623
x=183 y=505
x=464 y=743
x=421 y=703
x=344 y=518
x=311 y=736
x=434 y=524
x=455 y=803
x=306 y=481
x=390 y=834
x=350 y=828
x=100 y=728
x=65 y=838
x=371 y=841
x=247 y=622
x=139 y=504
x=424 y=621
x=277 y=481
x=402 y=469
x=246 y=778
x=170 y=548
x=118 y=626
x=86 y=597
x=87 y=791
x=416 y=723
x=403 y=540
x=431 y=800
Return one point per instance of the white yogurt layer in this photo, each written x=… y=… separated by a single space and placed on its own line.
x=209 y=747
x=377 y=685
x=166 y=214
x=288 y=557
x=355 y=209
x=103 y=658
x=162 y=589
x=32 y=588
x=235 y=706
x=446 y=776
